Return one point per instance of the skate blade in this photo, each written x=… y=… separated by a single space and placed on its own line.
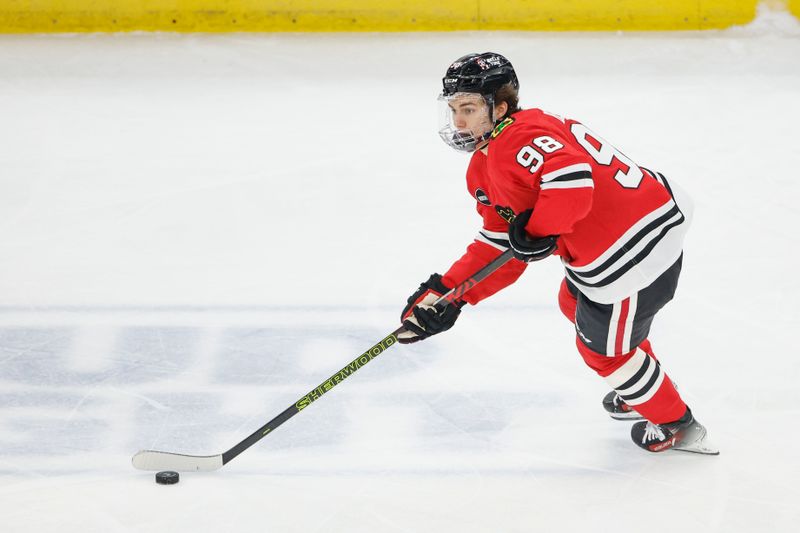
x=701 y=446
x=626 y=416
x=703 y=450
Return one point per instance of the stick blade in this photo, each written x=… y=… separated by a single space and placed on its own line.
x=156 y=461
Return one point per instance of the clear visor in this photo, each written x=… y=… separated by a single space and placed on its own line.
x=465 y=120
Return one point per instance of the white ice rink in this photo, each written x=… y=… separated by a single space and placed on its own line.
x=196 y=230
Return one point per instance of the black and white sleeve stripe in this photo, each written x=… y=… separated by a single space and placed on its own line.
x=571 y=177
x=661 y=178
x=495 y=239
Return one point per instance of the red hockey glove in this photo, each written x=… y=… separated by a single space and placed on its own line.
x=526 y=248
x=421 y=319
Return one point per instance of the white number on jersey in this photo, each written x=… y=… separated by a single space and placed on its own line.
x=529 y=157
x=547 y=144
x=606 y=154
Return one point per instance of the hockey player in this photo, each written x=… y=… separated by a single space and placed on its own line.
x=546 y=185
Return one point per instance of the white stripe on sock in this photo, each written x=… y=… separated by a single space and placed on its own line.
x=651 y=392
x=628 y=370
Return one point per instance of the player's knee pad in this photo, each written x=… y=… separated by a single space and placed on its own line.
x=567 y=301
x=604 y=364
x=601 y=363
x=645 y=345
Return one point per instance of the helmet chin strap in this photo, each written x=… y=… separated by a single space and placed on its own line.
x=483 y=138
x=489 y=98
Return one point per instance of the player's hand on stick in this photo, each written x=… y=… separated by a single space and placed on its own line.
x=421 y=319
x=525 y=247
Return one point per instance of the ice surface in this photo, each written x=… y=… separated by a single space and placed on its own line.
x=197 y=230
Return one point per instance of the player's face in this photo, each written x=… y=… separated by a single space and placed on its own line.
x=466 y=120
x=470 y=114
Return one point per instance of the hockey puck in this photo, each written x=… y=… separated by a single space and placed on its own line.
x=168 y=477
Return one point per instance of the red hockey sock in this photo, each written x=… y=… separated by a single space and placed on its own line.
x=639 y=380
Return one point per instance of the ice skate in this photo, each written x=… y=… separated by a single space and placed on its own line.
x=685 y=434
x=618 y=409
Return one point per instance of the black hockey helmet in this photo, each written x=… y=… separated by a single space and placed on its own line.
x=479 y=73
x=479 y=76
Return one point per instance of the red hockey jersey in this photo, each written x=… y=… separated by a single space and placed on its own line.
x=619 y=225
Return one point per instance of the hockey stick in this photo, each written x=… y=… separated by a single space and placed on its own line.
x=155 y=460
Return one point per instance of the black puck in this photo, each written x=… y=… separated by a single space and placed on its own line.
x=168 y=477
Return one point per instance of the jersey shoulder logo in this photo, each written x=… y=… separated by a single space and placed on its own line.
x=500 y=127
x=482 y=197
x=506 y=213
